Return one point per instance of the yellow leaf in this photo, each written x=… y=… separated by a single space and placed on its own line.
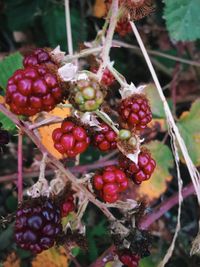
x=99 y=9
x=157 y=184
x=2 y=99
x=53 y=257
x=45 y=132
x=12 y=261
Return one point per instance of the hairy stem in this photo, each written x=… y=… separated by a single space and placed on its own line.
x=68 y=27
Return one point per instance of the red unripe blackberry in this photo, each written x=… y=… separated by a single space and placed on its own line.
x=107 y=78
x=141 y=171
x=128 y=259
x=123 y=27
x=71 y=139
x=106 y=139
x=32 y=90
x=135 y=111
x=38 y=223
x=68 y=206
x=109 y=183
x=37 y=57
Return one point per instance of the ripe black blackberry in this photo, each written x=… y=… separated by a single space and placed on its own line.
x=38 y=223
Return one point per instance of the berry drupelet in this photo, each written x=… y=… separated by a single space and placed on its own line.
x=128 y=259
x=71 y=139
x=38 y=223
x=32 y=90
x=135 y=111
x=109 y=183
x=68 y=206
x=141 y=171
x=107 y=78
x=106 y=139
x=123 y=27
x=37 y=57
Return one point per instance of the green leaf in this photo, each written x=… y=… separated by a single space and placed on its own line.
x=21 y=13
x=183 y=20
x=8 y=66
x=155 y=101
x=146 y=262
x=53 y=21
x=7 y=123
x=157 y=184
x=189 y=126
x=6 y=237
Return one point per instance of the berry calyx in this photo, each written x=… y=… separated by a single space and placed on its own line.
x=109 y=183
x=106 y=139
x=71 y=139
x=128 y=259
x=135 y=111
x=37 y=57
x=107 y=78
x=32 y=90
x=123 y=27
x=141 y=171
x=38 y=223
x=87 y=95
x=68 y=206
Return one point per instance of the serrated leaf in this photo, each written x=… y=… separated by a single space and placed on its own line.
x=189 y=126
x=8 y=66
x=182 y=19
x=12 y=260
x=157 y=184
x=6 y=122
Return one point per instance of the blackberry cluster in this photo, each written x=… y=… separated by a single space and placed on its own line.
x=109 y=183
x=32 y=90
x=106 y=139
x=135 y=111
x=71 y=139
x=38 y=223
x=138 y=172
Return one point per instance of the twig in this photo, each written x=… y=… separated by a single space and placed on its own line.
x=68 y=28
x=107 y=120
x=157 y=53
x=20 y=166
x=108 y=41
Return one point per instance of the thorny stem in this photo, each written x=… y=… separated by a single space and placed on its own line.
x=49 y=121
x=83 y=53
x=20 y=166
x=43 y=167
x=68 y=27
x=117 y=76
x=109 y=37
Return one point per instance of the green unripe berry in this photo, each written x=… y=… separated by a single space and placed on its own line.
x=124 y=134
x=91 y=105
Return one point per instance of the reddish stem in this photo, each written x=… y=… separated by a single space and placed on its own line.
x=20 y=166
x=165 y=206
